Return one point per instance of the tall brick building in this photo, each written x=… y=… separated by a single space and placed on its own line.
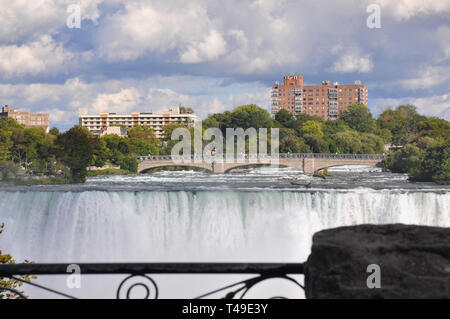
x=325 y=100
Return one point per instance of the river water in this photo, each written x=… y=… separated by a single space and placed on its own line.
x=262 y=215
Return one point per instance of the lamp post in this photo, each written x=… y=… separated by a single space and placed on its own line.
x=213 y=153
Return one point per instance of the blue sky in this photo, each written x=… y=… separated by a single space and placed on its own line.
x=215 y=55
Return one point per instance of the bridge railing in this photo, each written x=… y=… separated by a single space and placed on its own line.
x=138 y=276
x=264 y=156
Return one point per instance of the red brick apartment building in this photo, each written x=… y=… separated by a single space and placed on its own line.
x=326 y=100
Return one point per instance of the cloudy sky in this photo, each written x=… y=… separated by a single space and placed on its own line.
x=139 y=55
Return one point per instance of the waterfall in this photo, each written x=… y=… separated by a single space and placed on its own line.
x=186 y=226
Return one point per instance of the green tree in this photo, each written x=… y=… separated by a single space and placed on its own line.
x=142 y=140
x=285 y=118
x=312 y=128
x=333 y=127
x=251 y=115
x=39 y=148
x=406 y=160
x=144 y=132
x=129 y=163
x=434 y=127
x=186 y=110
x=403 y=122
x=8 y=171
x=290 y=143
x=54 y=131
x=317 y=143
x=99 y=151
x=112 y=144
x=371 y=144
x=359 y=118
x=168 y=143
x=384 y=134
x=211 y=121
x=6 y=144
x=219 y=120
x=424 y=142
x=347 y=142
x=435 y=165
x=301 y=119
x=76 y=151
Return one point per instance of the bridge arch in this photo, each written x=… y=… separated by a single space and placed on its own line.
x=144 y=167
x=240 y=165
x=321 y=167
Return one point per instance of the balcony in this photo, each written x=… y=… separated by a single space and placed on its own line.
x=333 y=112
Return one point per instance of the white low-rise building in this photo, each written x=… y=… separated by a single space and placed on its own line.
x=98 y=124
x=118 y=130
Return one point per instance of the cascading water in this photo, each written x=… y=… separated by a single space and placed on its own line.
x=209 y=222
x=96 y=226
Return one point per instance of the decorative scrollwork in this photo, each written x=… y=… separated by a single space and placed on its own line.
x=241 y=288
x=133 y=281
x=254 y=281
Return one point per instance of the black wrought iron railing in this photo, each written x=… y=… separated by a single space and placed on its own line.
x=140 y=273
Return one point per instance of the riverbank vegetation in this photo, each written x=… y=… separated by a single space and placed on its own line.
x=416 y=145
x=425 y=145
x=355 y=133
x=32 y=156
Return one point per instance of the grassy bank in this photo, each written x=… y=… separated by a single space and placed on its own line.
x=108 y=171
x=35 y=181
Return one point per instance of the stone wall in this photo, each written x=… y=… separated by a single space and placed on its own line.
x=404 y=261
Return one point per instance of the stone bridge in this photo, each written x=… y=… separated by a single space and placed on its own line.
x=308 y=163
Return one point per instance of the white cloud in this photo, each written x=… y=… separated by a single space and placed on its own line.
x=237 y=40
x=432 y=105
x=260 y=98
x=128 y=95
x=159 y=99
x=57 y=115
x=407 y=9
x=249 y=38
x=445 y=114
x=442 y=38
x=25 y=18
x=144 y=27
x=123 y=101
x=352 y=62
x=427 y=77
x=211 y=48
x=40 y=56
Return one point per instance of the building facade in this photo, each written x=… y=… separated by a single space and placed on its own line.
x=30 y=120
x=97 y=124
x=325 y=100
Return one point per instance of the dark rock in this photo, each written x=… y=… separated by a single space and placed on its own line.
x=414 y=262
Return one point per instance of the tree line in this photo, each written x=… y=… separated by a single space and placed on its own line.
x=420 y=144
x=32 y=151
